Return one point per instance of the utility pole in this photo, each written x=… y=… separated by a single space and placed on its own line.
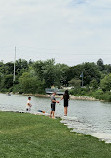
x=82 y=76
x=14 y=66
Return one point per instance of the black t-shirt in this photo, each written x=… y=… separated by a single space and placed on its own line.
x=66 y=97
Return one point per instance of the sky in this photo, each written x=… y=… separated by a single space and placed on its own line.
x=71 y=31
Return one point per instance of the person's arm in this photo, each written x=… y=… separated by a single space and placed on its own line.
x=69 y=98
x=61 y=98
x=29 y=104
x=54 y=101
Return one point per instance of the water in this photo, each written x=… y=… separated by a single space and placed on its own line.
x=87 y=117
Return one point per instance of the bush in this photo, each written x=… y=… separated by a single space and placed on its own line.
x=99 y=94
x=17 y=88
x=80 y=91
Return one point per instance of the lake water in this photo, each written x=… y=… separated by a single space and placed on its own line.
x=87 y=117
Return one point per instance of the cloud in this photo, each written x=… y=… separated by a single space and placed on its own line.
x=66 y=26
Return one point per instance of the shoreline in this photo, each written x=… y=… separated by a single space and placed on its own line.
x=62 y=119
x=71 y=97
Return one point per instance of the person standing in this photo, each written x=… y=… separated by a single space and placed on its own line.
x=29 y=105
x=66 y=101
x=53 y=104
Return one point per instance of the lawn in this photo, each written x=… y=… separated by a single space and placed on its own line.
x=32 y=136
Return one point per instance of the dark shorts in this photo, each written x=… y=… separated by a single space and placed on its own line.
x=52 y=107
x=65 y=103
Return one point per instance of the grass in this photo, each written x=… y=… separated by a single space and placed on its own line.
x=32 y=136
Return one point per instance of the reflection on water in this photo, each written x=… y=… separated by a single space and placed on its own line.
x=88 y=117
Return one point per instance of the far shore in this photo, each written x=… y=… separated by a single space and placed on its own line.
x=71 y=97
x=88 y=98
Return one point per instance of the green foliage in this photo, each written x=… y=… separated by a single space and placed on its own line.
x=8 y=68
x=106 y=83
x=17 y=89
x=45 y=70
x=61 y=71
x=52 y=74
x=107 y=68
x=100 y=64
x=1 y=75
x=75 y=82
x=34 y=77
x=99 y=94
x=21 y=66
x=2 y=69
x=7 y=81
x=90 y=71
x=30 y=84
x=80 y=91
x=94 y=84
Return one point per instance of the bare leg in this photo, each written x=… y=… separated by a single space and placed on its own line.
x=53 y=114
x=65 y=111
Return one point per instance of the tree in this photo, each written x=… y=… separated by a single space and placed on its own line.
x=1 y=76
x=9 y=68
x=45 y=70
x=94 y=84
x=105 y=83
x=21 y=66
x=90 y=71
x=30 y=84
x=75 y=82
x=61 y=71
x=107 y=69
x=100 y=64
x=7 y=81
x=2 y=67
x=27 y=83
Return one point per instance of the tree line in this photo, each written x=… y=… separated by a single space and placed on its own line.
x=34 y=76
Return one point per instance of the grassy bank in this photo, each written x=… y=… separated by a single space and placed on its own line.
x=32 y=136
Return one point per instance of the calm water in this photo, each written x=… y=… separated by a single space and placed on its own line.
x=88 y=117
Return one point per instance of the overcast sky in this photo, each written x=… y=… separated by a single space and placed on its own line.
x=71 y=31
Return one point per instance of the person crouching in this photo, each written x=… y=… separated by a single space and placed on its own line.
x=29 y=105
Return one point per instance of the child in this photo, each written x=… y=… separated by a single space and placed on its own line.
x=53 y=103
x=28 y=106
